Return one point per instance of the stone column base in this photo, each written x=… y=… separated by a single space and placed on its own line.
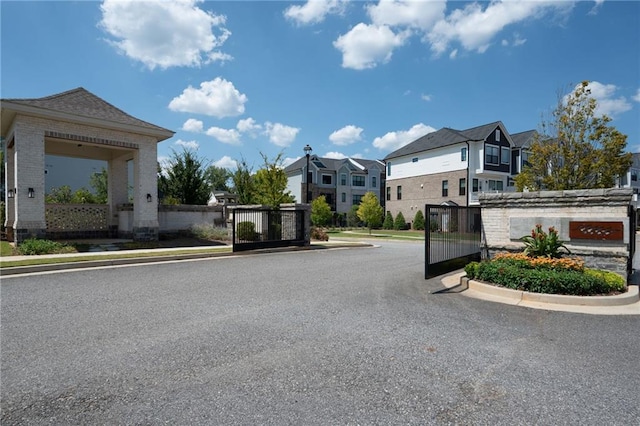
x=21 y=234
x=145 y=233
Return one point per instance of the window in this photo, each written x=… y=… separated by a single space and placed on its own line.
x=498 y=135
x=388 y=168
x=525 y=158
x=492 y=154
x=326 y=179
x=344 y=197
x=343 y=179
x=399 y=192
x=388 y=193
x=634 y=176
x=374 y=182
x=475 y=185
x=495 y=185
x=309 y=177
x=357 y=199
x=357 y=180
x=445 y=188
x=463 y=154
x=511 y=182
x=414 y=160
x=328 y=198
x=505 y=154
x=463 y=187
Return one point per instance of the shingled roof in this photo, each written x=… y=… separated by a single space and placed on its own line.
x=523 y=139
x=445 y=137
x=330 y=163
x=82 y=103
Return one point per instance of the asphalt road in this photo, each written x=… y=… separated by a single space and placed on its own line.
x=327 y=337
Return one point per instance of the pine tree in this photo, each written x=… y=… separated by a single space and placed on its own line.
x=399 y=223
x=388 y=221
x=418 y=221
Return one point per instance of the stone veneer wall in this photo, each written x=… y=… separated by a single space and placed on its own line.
x=506 y=217
x=172 y=219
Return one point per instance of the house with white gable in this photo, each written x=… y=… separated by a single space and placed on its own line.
x=453 y=167
x=343 y=182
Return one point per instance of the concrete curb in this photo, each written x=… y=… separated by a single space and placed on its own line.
x=631 y=296
x=48 y=267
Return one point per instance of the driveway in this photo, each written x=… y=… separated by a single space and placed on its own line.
x=345 y=336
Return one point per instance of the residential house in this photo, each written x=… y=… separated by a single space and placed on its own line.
x=343 y=182
x=452 y=167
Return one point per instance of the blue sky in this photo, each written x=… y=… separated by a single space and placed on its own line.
x=361 y=79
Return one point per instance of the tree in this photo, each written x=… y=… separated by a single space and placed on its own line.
x=418 y=221
x=576 y=149
x=218 y=178
x=399 y=223
x=60 y=195
x=388 y=221
x=370 y=211
x=271 y=183
x=99 y=182
x=320 y=211
x=352 y=217
x=184 y=179
x=243 y=184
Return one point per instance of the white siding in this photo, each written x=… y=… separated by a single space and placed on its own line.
x=440 y=160
x=294 y=184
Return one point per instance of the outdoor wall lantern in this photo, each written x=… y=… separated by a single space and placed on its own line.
x=11 y=193
x=31 y=193
x=149 y=198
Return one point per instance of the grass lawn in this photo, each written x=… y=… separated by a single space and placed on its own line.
x=377 y=233
x=6 y=249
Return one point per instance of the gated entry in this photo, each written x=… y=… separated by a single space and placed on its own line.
x=452 y=238
x=267 y=228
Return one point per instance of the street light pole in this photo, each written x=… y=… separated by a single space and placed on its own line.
x=307 y=152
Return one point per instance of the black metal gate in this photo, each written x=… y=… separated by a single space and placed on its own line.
x=267 y=228
x=633 y=218
x=452 y=238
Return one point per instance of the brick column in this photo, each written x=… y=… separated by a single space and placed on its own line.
x=28 y=159
x=145 y=212
x=10 y=207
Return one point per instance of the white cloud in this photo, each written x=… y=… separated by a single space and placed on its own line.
x=218 y=98
x=288 y=161
x=365 y=46
x=518 y=41
x=475 y=27
x=334 y=155
x=249 y=126
x=226 y=162
x=193 y=125
x=314 y=11
x=394 y=140
x=636 y=97
x=190 y=145
x=608 y=104
x=164 y=33
x=228 y=136
x=453 y=54
x=347 y=135
x=279 y=134
x=164 y=161
x=504 y=42
x=415 y=14
x=426 y=98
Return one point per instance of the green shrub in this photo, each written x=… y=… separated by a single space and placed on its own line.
x=208 y=231
x=511 y=274
x=319 y=234
x=247 y=231
x=418 y=221
x=33 y=246
x=388 y=221
x=399 y=224
x=471 y=269
x=433 y=225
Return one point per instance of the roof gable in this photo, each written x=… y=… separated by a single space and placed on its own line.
x=82 y=103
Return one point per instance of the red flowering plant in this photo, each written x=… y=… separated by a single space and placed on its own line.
x=541 y=244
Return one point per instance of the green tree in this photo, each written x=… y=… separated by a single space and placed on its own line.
x=271 y=183
x=184 y=179
x=60 y=195
x=83 y=196
x=399 y=223
x=218 y=178
x=576 y=149
x=352 y=217
x=370 y=211
x=243 y=183
x=418 y=221
x=99 y=181
x=388 y=221
x=320 y=211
